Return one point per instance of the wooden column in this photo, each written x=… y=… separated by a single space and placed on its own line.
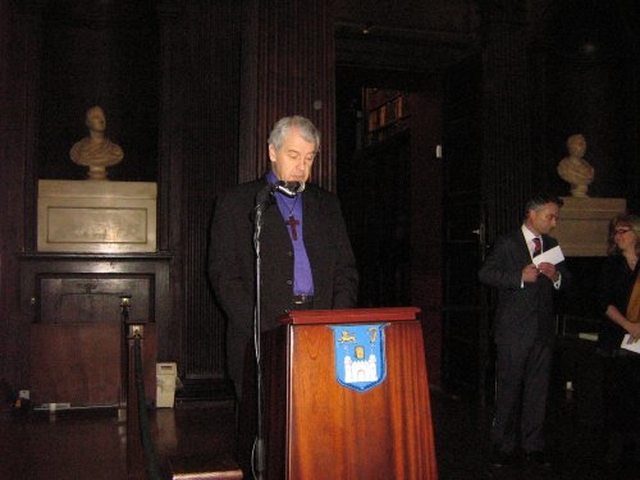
x=507 y=160
x=198 y=151
x=20 y=46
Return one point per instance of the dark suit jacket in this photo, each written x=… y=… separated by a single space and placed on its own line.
x=522 y=314
x=232 y=259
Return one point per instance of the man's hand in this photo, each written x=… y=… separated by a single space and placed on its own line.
x=634 y=330
x=548 y=270
x=530 y=273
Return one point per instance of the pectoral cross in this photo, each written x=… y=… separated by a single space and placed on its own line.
x=293 y=223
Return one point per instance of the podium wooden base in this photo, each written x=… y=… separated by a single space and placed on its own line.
x=318 y=429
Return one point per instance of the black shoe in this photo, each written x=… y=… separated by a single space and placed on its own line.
x=538 y=459
x=500 y=459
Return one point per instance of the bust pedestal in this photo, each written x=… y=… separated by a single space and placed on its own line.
x=84 y=216
x=584 y=222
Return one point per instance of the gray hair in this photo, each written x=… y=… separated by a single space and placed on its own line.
x=307 y=129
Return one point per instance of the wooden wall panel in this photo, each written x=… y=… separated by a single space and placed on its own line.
x=82 y=364
x=507 y=165
x=19 y=50
x=288 y=68
x=79 y=364
x=200 y=57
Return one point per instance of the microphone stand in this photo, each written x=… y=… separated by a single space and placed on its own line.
x=258 y=454
x=263 y=200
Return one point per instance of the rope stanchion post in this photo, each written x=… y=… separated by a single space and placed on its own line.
x=146 y=441
x=135 y=460
x=141 y=453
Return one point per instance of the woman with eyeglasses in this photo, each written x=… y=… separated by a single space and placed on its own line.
x=621 y=380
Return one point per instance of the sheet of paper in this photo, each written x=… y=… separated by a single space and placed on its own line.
x=629 y=343
x=553 y=255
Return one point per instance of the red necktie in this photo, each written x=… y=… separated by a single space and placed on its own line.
x=537 y=246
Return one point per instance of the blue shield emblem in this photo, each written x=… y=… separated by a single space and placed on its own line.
x=359 y=353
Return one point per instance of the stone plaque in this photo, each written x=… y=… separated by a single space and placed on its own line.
x=96 y=217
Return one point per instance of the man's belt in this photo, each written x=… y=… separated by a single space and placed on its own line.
x=302 y=300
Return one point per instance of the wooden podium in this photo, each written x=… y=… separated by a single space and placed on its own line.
x=321 y=425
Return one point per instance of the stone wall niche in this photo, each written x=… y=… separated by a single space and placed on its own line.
x=82 y=216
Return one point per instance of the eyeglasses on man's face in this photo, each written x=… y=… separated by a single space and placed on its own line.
x=621 y=231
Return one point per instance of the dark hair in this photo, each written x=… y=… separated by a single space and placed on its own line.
x=539 y=200
x=624 y=220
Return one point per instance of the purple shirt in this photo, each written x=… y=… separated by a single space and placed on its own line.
x=292 y=207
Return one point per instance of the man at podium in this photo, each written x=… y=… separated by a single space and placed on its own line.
x=306 y=259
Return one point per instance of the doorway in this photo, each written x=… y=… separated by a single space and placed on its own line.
x=389 y=180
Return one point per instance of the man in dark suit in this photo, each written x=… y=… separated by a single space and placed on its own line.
x=524 y=330
x=306 y=256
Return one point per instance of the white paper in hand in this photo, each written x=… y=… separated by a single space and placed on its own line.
x=630 y=343
x=553 y=255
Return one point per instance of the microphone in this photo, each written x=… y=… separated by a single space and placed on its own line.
x=290 y=189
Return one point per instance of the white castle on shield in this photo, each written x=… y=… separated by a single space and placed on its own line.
x=360 y=370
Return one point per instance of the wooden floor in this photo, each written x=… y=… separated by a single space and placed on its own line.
x=91 y=445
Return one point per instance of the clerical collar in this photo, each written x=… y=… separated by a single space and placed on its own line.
x=271 y=178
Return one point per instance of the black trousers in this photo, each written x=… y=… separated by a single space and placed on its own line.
x=522 y=386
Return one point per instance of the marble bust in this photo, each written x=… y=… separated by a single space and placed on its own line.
x=96 y=151
x=574 y=169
